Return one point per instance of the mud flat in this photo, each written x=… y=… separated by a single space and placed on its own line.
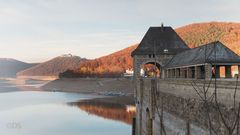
x=105 y=86
x=45 y=78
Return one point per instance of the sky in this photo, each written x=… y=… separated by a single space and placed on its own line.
x=38 y=30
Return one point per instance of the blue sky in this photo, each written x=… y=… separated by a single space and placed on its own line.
x=38 y=30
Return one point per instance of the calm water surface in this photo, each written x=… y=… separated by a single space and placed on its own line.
x=57 y=113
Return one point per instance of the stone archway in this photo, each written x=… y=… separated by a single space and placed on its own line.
x=144 y=59
x=150 y=69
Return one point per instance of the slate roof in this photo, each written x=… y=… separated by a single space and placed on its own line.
x=214 y=52
x=163 y=38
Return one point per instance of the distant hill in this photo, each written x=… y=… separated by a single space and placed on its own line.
x=194 y=35
x=9 y=67
x=112 y=65
x=202 y=33
x=53 y=67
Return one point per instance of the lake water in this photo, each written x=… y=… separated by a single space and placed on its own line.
x=59 y=113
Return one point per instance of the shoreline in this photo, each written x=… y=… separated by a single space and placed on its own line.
x=118 y=88
x=101 y=86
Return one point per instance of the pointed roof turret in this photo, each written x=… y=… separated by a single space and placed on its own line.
x=165 y=39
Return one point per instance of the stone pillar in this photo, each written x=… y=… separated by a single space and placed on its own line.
x=168 y=73
x=181 y=73
x=175 y=73
x=208 y=71
x=185 y=72
x=196 y=72
x=189 y=69
x=139 y=106
x=162 y=74
x=228 y=72
x=136 y=68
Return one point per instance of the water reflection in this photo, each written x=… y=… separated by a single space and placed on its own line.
x=27 y=112
x=15 y=84
x=109 y=108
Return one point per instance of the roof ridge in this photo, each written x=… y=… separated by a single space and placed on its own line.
x=226 y=55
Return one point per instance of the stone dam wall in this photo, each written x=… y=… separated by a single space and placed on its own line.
x=176 y=107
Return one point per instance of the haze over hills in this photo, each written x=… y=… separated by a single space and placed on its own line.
x=9 y=67
x=54 y=66
x=194 y=35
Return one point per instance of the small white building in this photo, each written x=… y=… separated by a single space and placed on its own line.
x=128 y=73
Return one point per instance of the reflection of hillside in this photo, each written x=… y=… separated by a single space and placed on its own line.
x=26 y=84
x=108 y=110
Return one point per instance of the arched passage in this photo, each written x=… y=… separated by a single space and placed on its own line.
x=150 y=69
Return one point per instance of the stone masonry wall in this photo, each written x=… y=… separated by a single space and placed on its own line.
x=174 y=107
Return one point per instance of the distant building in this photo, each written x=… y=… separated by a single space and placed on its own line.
x=128 y=73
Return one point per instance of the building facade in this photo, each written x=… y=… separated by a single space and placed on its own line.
x=162 y=47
